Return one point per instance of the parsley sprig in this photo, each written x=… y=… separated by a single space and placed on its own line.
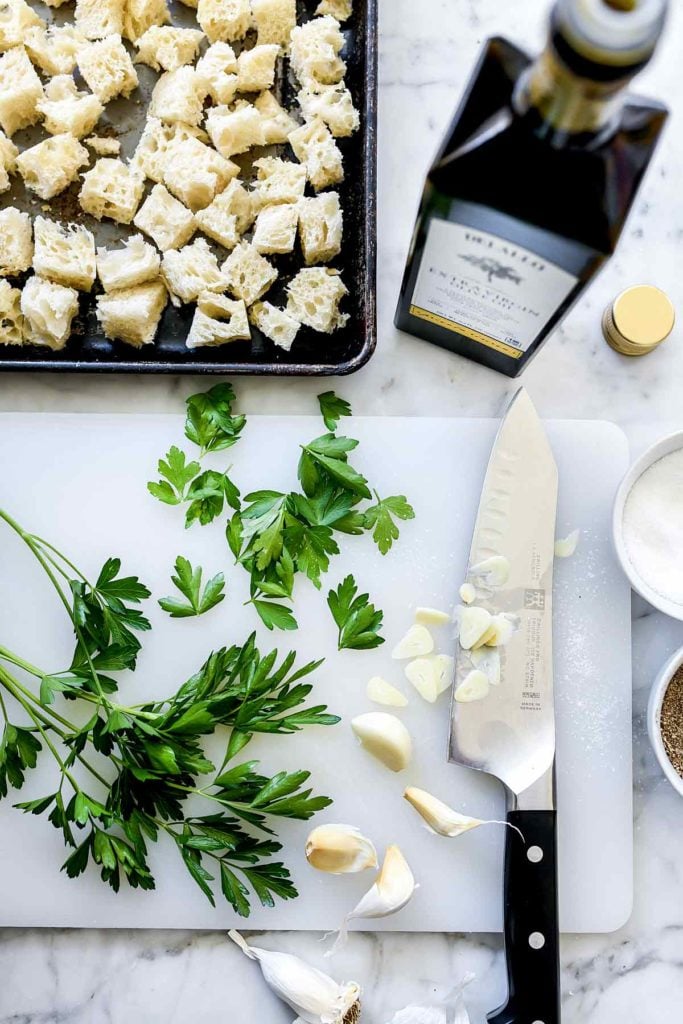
x=358 y=621
x=188 y=580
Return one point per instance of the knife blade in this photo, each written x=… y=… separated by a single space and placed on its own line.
x=510 y=733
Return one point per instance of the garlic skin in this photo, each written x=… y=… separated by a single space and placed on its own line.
x=475 y=686
x=431 y=617
x=313 y=995
x=437 y=1014
x=474 y=625
x=566 y=547
x=487 y=659
x=393 y=889
x=494 y=571
x=502 y=630
x=379 y=691
x=385 y=737
x=421 y=673
x=340 y=850
x=417 y=642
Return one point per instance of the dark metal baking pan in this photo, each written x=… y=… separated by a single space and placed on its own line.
x=313 y=354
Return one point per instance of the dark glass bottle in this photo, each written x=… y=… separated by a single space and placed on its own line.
x=529 y=193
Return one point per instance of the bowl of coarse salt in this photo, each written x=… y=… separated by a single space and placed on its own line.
x=648 y=525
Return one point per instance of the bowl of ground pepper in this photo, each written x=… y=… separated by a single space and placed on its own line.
x=665 y=720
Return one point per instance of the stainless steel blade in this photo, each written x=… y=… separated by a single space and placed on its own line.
x=510 y=733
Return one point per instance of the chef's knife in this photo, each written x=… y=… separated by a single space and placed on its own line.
x=510 y=733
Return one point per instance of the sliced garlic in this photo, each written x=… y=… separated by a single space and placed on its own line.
x=475 y=686
x=422 y=674
x=417 y=642
x=488 y=660
x=443 y=669
x=565 y=548
x=381 y=692
x=468 y=593
x=313 y=995
x=494 y=571
x=502 y=630
x=392 y=890
x=340 y=850
x=474 y=623
x=487 y=637
x=431 y=617
x=385 y=737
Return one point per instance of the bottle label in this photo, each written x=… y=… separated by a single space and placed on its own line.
x=486 y=288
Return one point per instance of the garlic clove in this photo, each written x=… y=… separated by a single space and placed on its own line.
x=475 y=686
x=381 y=692
x=474 y=623
x=385 y=737
x=468 y=593
x=431 y=617
x=423 y=677
x=417 y=642
x=443 y=669
x=502 y=630
x=340 y=850
x=440 y=818
x=565 y=548
x=494 y=571
x=488 y=660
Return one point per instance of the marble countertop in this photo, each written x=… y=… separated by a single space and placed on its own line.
x=632 y=977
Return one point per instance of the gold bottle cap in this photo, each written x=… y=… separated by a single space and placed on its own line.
x=638 y=320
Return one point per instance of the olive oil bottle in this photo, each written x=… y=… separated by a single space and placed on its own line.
x=529 y=193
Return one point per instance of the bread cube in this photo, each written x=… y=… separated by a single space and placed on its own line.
x=179 y=96
x=11 y=318
x=276 y=324
x=97 y=19
x=141 y=15
x=235 y=129
x=276 y=122
x=103 y=146
x=275 y=230
x=191 y=271
x=256 y=68
x=50 y=166
x=313 y=299
x=279 y=181
x=54 y=49
x=111 y=189
x=166 y=48
x=247 y=274
x=217 y=321
x=66 y=110
x=133 y=314
x=194 y=173
x=333 y=105
x=136 y=263
x=314 y=51
x=48 y=310
x=167 y=222
x=339 y=9
x=20 y=91
x=274 y=21
x=16 y=242
x=151 y=154
x=219 y=67
x=320 y=228
x=228 y=216
x=224 y=20
x=16 y=17
x=107 y=68
x=314 y=145
x=8 y=160
x=64 y=253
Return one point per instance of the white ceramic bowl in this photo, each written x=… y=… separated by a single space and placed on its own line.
x=666 y=446
x=654 y=714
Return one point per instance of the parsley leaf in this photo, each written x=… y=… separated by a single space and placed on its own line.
x=207 y=495
x=188 y=580
x=327 y=456
x=332 y=408
x=380 y=519
x=177 y=473
x=210 y=423
x=358 y=621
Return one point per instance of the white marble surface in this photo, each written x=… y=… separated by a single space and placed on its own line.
x=632 y=977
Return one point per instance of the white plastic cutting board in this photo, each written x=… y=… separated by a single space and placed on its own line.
x=80 y=481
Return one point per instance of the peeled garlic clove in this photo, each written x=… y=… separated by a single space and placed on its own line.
x=385 y=737
x=565 y=548
x=417 y=642
x=468 y=593
x=440 y=818
x=423 y=677
x=474 y=623
x=502 y=630
x=340 y=850
x=443 y=670
x=313 y=995
x=431 y=617
x=488 y=660
x=475 y=686
x=381 y=692
x=494 y=571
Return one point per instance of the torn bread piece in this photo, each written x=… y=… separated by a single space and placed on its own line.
x=16 y=241
x=65 y=109
x=276 y=324
x=64 y=253
x=179 y=96
x=315 y=147
x=247 y=274
x=50 y=166
x=167 y=48
x=218 y=67
x=135 y=263
x=48 y=309
x=275 y=230
x=195 y=173
x=103 y=145
x=111 y=189
x=320 y=227
x=11 y=318
x=256 y=68
x=8 y=160
x=235 y=129
x=278 y=181
x=20 y=91
x=192 y=270
x=218 y=320
x=16 y=18
x=313 y=299
x=276 y=122
x=274 y=20
x=314 y=51
x=151 y=153
x=333 y=105
x=54 y=49
x=224 y=20
x=99 y=18
x=229 y=215
x=339 y=9
x=141 y=15
x=107 y=68
x=132 y=314
x=167 y=222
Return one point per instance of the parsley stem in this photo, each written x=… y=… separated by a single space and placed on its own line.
x=51 y=547
x=3 y=708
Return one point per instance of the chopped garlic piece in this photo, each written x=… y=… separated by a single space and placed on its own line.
x=487 y=659
x=502 y=629
x=417 y=642
x=385 y=737
x=421 y=673
x=474 y=624
x=443 y=670
x=565 y=548
x=381 y=692
x=340 y=850
x=475 y=686
x=431 y=617
x=494 y=571
x=468 y=594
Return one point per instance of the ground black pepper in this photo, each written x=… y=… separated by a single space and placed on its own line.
x=672 y=721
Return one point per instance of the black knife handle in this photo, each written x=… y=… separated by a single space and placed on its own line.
x=532 y=940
